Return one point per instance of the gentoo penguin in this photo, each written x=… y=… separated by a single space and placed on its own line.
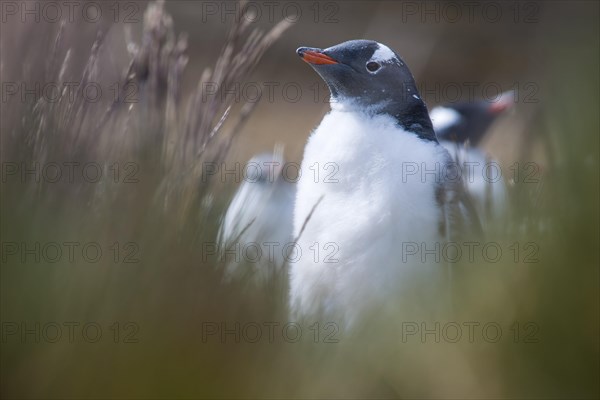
x=460 y=128
x=394 y=189
x=257 y=226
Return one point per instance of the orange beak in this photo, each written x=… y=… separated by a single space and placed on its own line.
x=314 y=57
x=505 y=102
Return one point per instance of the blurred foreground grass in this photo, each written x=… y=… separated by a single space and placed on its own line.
x=167 y=213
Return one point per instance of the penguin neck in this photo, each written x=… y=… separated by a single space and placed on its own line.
x=411 y=116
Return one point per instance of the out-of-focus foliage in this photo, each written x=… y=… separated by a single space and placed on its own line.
x=170 y=213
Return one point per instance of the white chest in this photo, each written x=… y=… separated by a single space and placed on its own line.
x=378 y=187
x=376 y=180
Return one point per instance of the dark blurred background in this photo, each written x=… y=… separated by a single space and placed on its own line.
x=546 y=51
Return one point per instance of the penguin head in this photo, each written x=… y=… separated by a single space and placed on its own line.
x=368 y=75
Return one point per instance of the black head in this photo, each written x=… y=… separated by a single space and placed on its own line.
x=470 y=121
x=368 y=75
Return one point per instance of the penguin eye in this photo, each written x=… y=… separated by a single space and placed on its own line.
x=372 y=66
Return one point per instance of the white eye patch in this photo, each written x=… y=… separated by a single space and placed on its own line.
x=444 y=117
x=384 y=54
